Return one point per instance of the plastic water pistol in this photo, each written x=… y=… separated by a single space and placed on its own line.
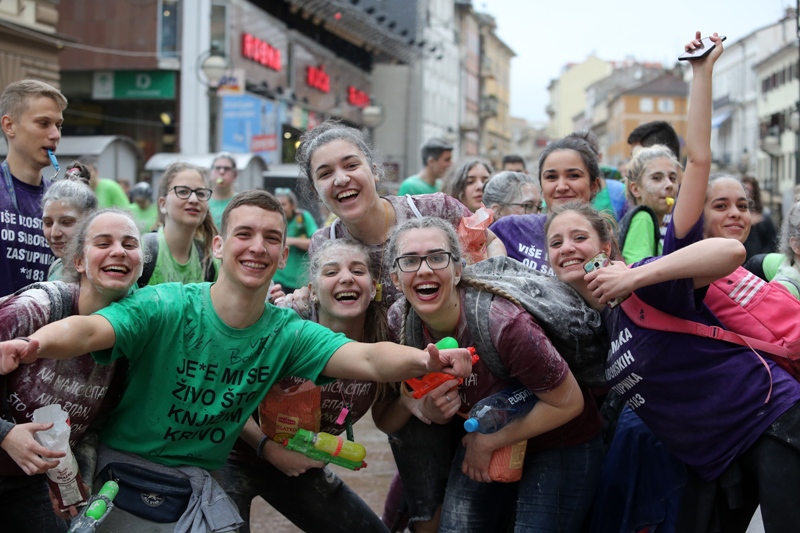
x=422 y=385
x=328 y=449
x=97 y=509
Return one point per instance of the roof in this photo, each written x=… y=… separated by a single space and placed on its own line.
x=86 y=145
x=161 y=160
x=667 y=84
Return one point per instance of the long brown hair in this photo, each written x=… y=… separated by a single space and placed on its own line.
x=207 y=229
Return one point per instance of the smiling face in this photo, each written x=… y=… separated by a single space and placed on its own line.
x=112 y=254
x=572 y=241
x=528 y=195
x=565 y=178
x=344 y=179
x=472 y=196
x=59 y=221
x=430 y=292
x=190 y=211
x=37 y=130
x=659 y=182
x=727 y=210
x=253 y=248
x=343 y=287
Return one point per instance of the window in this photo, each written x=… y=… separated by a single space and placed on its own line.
x=168 y=24
x=646 y=105
x=218 y=24
x=666 y=105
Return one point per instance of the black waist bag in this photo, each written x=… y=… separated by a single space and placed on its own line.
x=150 y=495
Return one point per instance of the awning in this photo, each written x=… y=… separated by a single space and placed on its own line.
x=719 y=118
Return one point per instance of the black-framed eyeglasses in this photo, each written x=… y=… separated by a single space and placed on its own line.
x=219 y=168
x=435 y=261
x=184 y=193
x=529 y=207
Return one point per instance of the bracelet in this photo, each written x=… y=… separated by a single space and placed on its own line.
x=26 y=339
x=260 y=448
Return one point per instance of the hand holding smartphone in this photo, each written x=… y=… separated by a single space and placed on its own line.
x=601 y=260
x=706 y=45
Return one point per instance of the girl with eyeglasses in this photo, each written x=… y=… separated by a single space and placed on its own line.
x=183 y=240
x=512 y=193
x=564 y=453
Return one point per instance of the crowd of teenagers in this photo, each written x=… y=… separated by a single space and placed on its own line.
x=187 y=348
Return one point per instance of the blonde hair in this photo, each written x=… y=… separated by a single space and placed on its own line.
x=637 y=166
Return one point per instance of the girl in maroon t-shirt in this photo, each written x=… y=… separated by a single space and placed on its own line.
x=562 y=429
x=103 y=262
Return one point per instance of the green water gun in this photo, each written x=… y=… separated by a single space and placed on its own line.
x=328 y=449
x=97 y=509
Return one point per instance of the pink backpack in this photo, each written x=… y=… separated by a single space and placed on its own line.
x=762 y=316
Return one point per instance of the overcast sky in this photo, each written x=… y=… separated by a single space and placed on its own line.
x=547 y=35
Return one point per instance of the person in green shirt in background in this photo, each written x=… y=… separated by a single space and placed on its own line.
x=437 y=156
x=144 y=211
x=300 y=226
x=223 y=176
x=783 y=267
x=109 y=192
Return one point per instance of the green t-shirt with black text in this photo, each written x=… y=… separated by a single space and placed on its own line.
x=193 y=380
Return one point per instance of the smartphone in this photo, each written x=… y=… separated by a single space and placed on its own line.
x=601 y=260
x=701 y=51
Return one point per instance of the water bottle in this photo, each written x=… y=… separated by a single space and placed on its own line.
x=492 y=413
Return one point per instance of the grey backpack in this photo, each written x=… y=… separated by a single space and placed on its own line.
x=575 y=329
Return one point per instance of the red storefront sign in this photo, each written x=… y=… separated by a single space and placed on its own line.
x=356 y=97
x=317 y=78
x=261 y=52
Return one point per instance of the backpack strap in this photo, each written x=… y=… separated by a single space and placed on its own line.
x=332 y=235
x=413 y=206
x=486 y=350
x=479 y=327
x=625 y=225
x=150 y=245
x=786 y=280
x=647 y=316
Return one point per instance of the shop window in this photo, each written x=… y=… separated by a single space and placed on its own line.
x=168 y=28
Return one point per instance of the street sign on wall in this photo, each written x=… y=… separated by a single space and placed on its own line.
x=134 y=85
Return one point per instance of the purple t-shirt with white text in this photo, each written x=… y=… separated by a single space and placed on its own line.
x=525 y=240
x=704 y=398
x=25 y=256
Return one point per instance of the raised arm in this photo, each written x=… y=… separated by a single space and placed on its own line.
x=618 y=281
x=691 y=198
x=494 y=246
x=64 y=339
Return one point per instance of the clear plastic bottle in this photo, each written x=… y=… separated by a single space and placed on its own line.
x=494 y=412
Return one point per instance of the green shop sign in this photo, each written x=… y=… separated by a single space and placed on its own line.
x=134 y=85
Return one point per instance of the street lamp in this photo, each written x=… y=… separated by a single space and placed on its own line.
x=211 y=68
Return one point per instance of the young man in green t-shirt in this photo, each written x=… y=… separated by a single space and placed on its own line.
x=202 y=356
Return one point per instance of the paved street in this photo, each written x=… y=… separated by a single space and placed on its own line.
x=371 y=483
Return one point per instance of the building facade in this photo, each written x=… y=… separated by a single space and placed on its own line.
x=664 y=98
x=568 y=93
x=30 y=42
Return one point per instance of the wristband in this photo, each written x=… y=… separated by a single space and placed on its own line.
x=260 y=448
x=26 y=339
